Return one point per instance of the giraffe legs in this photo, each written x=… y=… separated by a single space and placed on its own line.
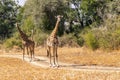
x=53 y=56
x=56 y=56
x=47 y=53
x=52 y=53
x=30 y=54
x=23 y=51
x=33 y=47
x=33 y=50
x=49 y=49
x=30 y=49
x=27 y=51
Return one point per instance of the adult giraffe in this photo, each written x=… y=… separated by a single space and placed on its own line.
x=26 y=43
x=52 y=44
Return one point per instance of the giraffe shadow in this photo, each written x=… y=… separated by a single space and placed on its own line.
x=37 y=59
x=72 y=65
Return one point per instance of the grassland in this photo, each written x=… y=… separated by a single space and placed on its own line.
x=16 y=69
x=83 y=56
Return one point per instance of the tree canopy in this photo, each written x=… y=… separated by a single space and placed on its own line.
x=8 y=14
x=88 y=23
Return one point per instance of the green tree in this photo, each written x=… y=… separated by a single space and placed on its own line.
x=8 y=13
x=44 y=12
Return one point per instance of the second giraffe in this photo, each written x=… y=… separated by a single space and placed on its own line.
x=26 y=43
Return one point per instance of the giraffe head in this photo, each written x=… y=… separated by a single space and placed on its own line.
x=59 y=17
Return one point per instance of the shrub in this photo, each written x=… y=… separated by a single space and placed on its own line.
x=80 y=41
x=91 y=41
x=9 y=43
x=40 y=38
x=68 y=40
x=14 y=40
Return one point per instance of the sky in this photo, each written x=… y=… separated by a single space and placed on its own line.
x=21 y=2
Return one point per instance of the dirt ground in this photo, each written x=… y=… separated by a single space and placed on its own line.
x=17 y=69
x=80 y=56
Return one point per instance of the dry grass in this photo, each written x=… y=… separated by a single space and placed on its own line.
x=83 y=56
x=16 y=69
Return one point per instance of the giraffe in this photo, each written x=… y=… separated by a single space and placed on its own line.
x=52 y=44
x=26 y=43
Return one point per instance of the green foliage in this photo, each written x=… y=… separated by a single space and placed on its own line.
x=109 y=40
x=15 y=40
x=28 y=25
x=91 y=41
x=108 y=33
x=40 y=38
x=9 y=43
x=80 y=41
x=20 y=14
x=103 y=34
x=44 y=12
x=8 y=13
x=68 y=40
x=100 y=21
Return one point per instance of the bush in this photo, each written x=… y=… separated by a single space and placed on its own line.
x=68 y=40
x=108 y=34
x=91 y=41
x=14 y=40
x=104 y=43
x=80 y=41
x=109 y=40
x=40 y=38
x=9 y=43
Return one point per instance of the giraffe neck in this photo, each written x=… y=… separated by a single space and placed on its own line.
x=54 y=32
x=19 y=30
x=23 y=35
